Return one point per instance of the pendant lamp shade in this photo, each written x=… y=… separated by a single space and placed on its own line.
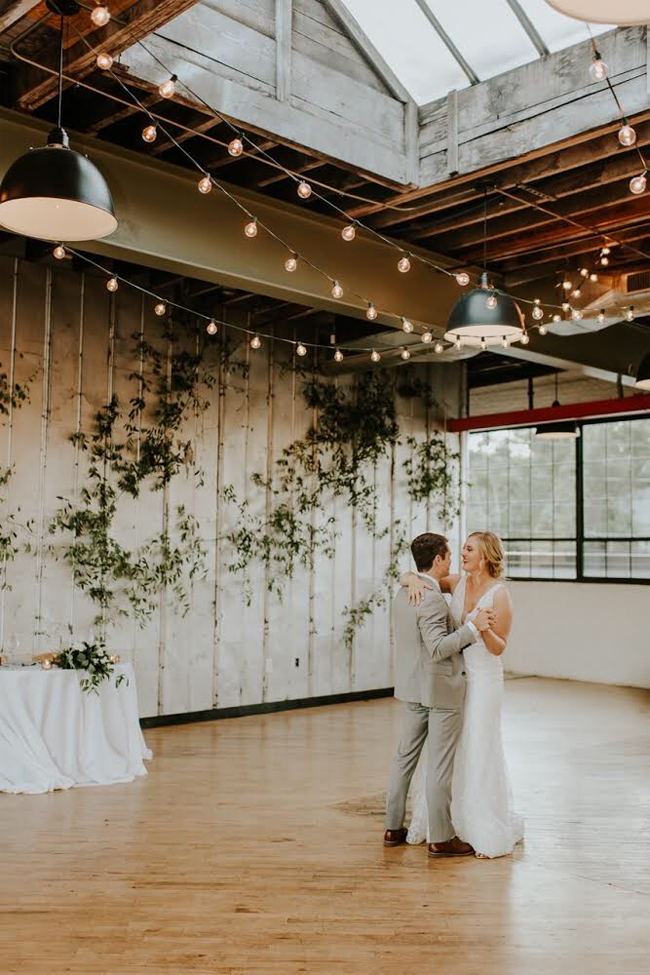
x=560 y=430
x=472 y=319
x=643 y=375
x=55 y=193
x=619 y=12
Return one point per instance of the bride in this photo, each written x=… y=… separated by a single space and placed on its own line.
x=481 y=805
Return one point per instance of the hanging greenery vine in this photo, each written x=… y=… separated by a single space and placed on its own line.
x=14 y=533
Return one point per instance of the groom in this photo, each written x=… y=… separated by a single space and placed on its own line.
x=430 y=678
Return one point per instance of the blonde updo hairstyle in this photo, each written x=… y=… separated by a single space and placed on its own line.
x=492 y=552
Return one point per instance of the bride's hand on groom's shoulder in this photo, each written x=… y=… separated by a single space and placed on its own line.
x=417 y=587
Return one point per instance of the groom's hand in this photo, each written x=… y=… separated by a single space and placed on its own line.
x=484 y=619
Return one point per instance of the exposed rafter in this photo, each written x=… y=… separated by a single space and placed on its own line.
x=529 y=27
x=447 y=41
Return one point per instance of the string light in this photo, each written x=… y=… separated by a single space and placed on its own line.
x=605 y=251
x=504 y=342
x=251 y=228
x=406 y=325
x=438 y=348
x=104 y=61
x=458 y=343
x=626 y=136
x=538 y=313
x=291 y=263
x=338 y=356
x=576 y=314
x=483 y=345
x=205 y=185
x=112 y=284
x=584 y=272
x=371 y=312
x=160 y=309
x=637 y=185
x=405 y=354
x=168 y=88
x=491 y=301
x=557 y=318
x=337 y=290
x=256 y=342
x=100 y=16
x=543 y=330
x=462 y=278
x=600 y=317
x=59 y=252
x=236 y=147
x=576 y=293
x=566 y=306
x=525 y=338
x=349 y=232
x=598 y=69
x=375 y=356
x=211 y=327
x=427 y=337
x=404 y=265
x=593 y=276
x=604 y=261
x=567 y=285
x=150 y=133
x=301 y=349
x=304 y=190
x=629 y=314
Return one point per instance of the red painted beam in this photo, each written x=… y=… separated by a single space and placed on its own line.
x=572 y=411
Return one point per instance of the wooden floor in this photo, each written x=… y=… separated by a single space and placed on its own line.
x=254 y=846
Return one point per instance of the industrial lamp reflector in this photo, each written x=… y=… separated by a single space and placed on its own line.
x=622 y=12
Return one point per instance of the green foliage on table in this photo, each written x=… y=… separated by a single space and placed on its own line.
x=93 y=659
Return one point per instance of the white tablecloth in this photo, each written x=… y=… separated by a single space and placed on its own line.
x=53 y=735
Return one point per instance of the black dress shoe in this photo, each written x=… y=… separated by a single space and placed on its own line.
x=395 y=837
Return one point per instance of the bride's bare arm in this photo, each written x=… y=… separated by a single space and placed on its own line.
x=496 y=637
x=416 y=586
x=449 y=583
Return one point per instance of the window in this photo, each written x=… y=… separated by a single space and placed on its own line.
x=566 y=509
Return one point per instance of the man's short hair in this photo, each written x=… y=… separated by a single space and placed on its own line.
x=425 y=547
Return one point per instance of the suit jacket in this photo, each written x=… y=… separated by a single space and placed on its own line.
x=429 y=667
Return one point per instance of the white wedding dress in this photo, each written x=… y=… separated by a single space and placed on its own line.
x=481 y=805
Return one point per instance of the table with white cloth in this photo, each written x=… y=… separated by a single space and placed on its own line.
x=54 y=735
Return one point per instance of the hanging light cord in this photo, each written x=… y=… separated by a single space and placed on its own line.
x=60 y=74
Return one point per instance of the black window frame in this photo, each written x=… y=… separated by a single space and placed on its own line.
x=580 y=538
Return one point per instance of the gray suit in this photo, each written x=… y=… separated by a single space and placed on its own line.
x=430 y=678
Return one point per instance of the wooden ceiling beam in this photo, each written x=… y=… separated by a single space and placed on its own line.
x=197 y=129
x=120 y=115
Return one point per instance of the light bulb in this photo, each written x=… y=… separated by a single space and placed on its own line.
x=566 y=306
x=557 y=318
x=576 y=293
x=59 y=252
x=600 y=317
x=584 y=272
x=256 y=342
x=291 y=263
x=637 y=185
x=504 y=342
x=566 y=284
x=406 y=325
x=542 y=330
x=458 y=343
x=404 y=264
x=304 y=190
x=629 y=314
x=427 y=337
x=300 y=349
x=104 y=61
x=371 y=312
x=462 y=278
x=349 y=232
x=235 y=147
x=100 y=16
x=538 y=313
x=405 y=354
x=149 y=133
x=626 y=136
x=593 y=276
x=576 y=314
x=338 y=356
x=211 y=327
x=483 y=345
x=160 y=309
x=337 y=290
x=604 y=261
x=375 y=356
x=605 y=250
x=598 y=69
x=112 y=284
x=251 y=228
x=168 y=88
x=438 y=347
x=491 y=301
x=205 y=185
x=525 y=339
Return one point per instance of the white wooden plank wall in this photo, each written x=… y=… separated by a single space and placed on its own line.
x=76 y=342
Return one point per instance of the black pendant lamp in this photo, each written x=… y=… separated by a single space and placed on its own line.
x=55 y=193
x=560 y=429
x=643 y=374
x=484 y=313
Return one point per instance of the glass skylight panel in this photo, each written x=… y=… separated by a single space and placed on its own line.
x=410 y=46
x=487 y=34
x=556 y=30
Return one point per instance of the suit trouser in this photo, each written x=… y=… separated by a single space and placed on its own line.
x=440 y=728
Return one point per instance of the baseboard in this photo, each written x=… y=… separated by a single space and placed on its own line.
x=268 y=707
